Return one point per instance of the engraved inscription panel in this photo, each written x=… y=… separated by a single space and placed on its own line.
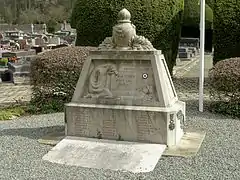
x=121 y=80
x=109 y=124
x=130 y=81
x=82 y=121
x=118 y=125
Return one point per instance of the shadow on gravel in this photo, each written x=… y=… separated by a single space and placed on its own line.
x=189 y=84
x=32 y=133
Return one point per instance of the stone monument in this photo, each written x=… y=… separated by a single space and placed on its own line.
x=32 y=28
x=55 y=40
x=45 y=29
x=125 y=92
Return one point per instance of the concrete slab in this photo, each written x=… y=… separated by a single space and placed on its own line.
x=188 y=146
x=106 y=154
x=10 y=94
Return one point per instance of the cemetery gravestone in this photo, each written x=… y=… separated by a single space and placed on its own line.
x=39 y=42
x=1 y=36
x=188 y=48
x=23 y=43
x=183 y=52
x=33 y=42
x=190 y=42
x=125 y=92
x=55 y=40
x=193 y=50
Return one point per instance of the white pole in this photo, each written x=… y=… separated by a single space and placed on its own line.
x=202 y=49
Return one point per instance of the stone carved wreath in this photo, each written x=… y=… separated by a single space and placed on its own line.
x=138 y=43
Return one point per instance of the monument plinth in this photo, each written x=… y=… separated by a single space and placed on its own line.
x=125 y=92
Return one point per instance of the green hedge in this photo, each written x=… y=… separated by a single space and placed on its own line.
x=225 y=87
x=157 y=20
x=226 y=29
x=192 y=14
x=54 y=75
x=210 y=3
x=52 y=26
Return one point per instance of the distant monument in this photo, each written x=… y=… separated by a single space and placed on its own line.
x=1 y=36
x=32 y=28
x=45 y=29
x=64 y=26
x=125 y=92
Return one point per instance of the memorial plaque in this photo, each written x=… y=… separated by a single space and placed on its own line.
x=109 y=124
x=82 y=122
x=130 y=80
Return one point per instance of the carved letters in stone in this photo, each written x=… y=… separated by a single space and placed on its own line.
x=100 y=81
x=82 y=121
x=123 y=80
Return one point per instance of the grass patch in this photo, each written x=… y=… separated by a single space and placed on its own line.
x=9 y=113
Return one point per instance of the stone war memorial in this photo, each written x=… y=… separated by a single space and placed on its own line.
x=125 y=92
x=124 y=98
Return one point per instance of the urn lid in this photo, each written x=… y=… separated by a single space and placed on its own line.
x=124 y=36
x=124 y=16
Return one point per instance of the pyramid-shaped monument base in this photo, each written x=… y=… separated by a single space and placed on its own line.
x=126 y=96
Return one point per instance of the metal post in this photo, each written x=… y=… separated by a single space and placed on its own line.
x=202 y=49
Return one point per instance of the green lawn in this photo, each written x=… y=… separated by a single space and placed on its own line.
x=11 y=112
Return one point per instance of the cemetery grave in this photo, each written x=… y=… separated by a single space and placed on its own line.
x=128 y=118
x=124 y=108
x=23 y=47
x=188 y=48
x=17 y=64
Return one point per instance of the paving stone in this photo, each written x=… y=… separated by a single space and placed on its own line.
x=10 y=93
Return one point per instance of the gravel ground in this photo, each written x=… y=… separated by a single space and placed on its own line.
x=218 y=158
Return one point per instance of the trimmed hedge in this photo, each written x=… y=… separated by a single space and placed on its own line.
x=52 y=25
x=157 y=20
x=54 y=75
x=225 y=87
x=226 y=29
x=210 y=3
x=191 y=22
x=192 y=14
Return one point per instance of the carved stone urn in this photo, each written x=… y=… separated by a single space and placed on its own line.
x=124 y=36
x=124 y=32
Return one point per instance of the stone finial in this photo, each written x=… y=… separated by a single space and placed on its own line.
x=124 y=36
x=124 y=16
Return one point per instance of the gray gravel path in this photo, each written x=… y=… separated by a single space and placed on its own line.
x=218 y=159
